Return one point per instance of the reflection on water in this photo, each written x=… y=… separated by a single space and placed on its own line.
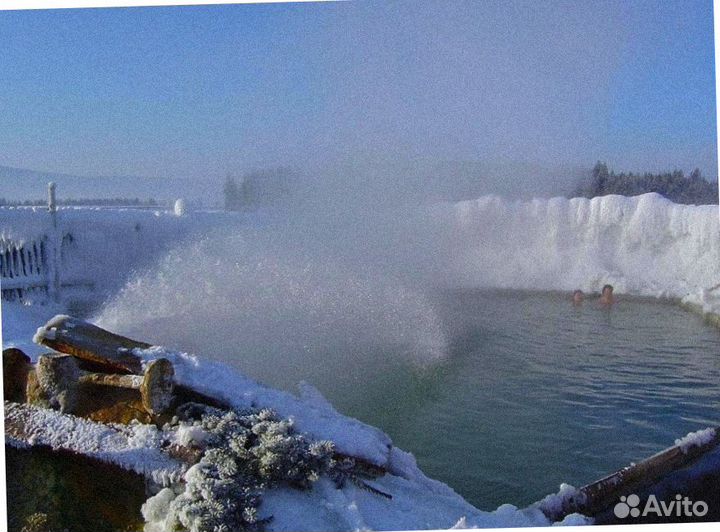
x=537 y=392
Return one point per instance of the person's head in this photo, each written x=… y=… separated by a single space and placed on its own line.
x=606 y=297
x=578 y=296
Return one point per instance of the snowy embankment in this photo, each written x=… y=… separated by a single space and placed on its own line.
x=643 y=245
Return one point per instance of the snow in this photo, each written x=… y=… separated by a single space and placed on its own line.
x=46 y=333
x=643 y=245
x=696 y=439
x=188 y=435
x=556 y=503
x=131 y=447
x=412 y=507
x=156 y=510
x=314 y=416
x=104 y=246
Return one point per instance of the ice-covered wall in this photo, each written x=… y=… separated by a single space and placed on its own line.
x=643 y=245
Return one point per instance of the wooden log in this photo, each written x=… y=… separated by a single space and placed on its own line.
x=55 y=383
x=96 y=348
x=101 y=350
x=600 y=495
x=155 y=386
x=16 y=367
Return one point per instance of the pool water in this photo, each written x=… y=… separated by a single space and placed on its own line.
x=535 y=392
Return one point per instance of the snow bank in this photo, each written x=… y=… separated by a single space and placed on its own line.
x=417 y=501
x=644 y=245
x=412 y=507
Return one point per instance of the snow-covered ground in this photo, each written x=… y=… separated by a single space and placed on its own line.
x=643 y=245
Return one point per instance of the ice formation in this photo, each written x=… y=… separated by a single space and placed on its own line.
x=696 y=439
x=644 y=245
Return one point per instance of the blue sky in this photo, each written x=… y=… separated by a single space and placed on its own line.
x=201 y=91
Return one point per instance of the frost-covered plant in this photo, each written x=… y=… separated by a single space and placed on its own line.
x=245 y=453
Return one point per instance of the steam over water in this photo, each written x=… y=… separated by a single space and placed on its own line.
x=278 y=313
x=342 y=276
x=340 y=273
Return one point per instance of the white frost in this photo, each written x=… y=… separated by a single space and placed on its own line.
x=190 y=435
x=644 y=245
x=132 y=447
x=44 y=333
x=696 y=439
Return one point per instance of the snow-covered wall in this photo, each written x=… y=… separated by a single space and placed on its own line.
x=644 y=245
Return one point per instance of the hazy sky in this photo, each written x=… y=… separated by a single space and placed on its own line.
x=200 y=91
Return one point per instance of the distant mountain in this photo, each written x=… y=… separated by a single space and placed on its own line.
x=23 y=184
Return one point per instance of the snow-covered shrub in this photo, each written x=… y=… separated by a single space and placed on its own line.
x=245 y=453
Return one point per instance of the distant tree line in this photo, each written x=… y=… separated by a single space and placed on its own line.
x=94 y=202
x=259 y=187
x=236 y=195
x=675 y=186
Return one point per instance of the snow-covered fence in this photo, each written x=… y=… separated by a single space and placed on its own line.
x=31 y=266
x=90 y=252
x=25 y=267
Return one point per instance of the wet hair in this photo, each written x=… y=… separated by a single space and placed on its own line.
x=578 y=291
x=608 y=286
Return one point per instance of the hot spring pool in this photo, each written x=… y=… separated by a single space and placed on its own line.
x=534 y=391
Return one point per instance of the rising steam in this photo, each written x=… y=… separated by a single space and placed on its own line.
x=281 y=304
